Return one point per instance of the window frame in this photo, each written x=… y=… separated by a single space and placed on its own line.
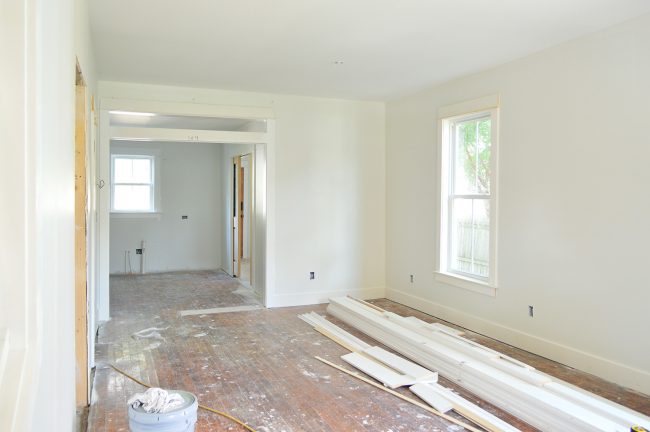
x=448 y=118
x=152 y=184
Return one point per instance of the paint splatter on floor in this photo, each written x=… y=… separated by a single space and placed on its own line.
x=259 y=365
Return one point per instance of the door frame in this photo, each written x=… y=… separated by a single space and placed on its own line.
x=82 y=371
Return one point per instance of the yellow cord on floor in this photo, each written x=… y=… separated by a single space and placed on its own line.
x=221 y=413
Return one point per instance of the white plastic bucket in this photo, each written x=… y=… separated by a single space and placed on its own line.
x=182 y=419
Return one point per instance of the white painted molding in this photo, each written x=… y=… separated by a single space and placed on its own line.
x=431 y=393
x=185 y=135
x=430 y=396
x=401 y=365
x=320 y=297
x=619 y=373
x=493 y=378
x=187 y=109
x=103 y=204
x=466 y=283
x=334 y=332
x=474 y=105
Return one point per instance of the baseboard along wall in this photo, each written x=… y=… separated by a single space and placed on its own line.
x=610 y=370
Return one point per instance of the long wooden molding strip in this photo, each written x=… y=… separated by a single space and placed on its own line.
x=370 y=305
x=604 y=406
x=401 y=396
x=392 y=370
x=381 y=373
x=432 y=392
x=419 y=322
x=328 y=334
x=334 y=332
x=435 y=326
x=356 y=345
x=517 y=397
x=539 y=399
x=401 y=365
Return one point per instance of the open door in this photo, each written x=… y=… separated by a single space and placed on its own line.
x=236 y=167
x=245 y=217
x=242 y=214
x=81 y=282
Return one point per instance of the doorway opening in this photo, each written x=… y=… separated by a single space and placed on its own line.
x=176 y=132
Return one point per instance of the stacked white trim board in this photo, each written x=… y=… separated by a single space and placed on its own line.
x=444 y=399
x=394 y=371
x=542 y=401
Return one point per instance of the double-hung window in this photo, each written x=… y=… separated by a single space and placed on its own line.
x=132 y=184
x=468 y=220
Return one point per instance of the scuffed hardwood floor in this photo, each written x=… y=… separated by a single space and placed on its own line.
x=259 y=365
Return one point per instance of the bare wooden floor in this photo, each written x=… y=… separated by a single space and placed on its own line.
x=259 y=365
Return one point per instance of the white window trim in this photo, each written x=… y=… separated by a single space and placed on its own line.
x=155 y=211
x=446 y=116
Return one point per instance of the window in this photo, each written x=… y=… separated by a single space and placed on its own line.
x=132 y=183
x=468 y=172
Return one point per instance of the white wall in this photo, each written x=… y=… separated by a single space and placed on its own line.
x=190 y=176
x=17 y=195
x=37 y=286
x=573 y=207
x=327 y=168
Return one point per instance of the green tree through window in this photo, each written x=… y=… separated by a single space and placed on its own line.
x=476 y=152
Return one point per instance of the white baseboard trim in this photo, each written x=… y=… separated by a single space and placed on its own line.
x=610 y=370
x=319 y=297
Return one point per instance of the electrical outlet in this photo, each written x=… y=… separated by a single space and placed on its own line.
x=138 y=251
x=411 y=278
x=530 y=311
x=184 y=217
x=312 y=275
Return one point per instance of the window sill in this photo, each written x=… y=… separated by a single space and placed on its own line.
x=136 y=215
x=466 y=283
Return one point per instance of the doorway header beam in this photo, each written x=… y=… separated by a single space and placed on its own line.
x=186 y=135
x=187 y=109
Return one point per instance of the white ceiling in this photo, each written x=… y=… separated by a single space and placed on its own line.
x=389 y=47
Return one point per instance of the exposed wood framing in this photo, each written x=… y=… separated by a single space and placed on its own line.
x=81 y=292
